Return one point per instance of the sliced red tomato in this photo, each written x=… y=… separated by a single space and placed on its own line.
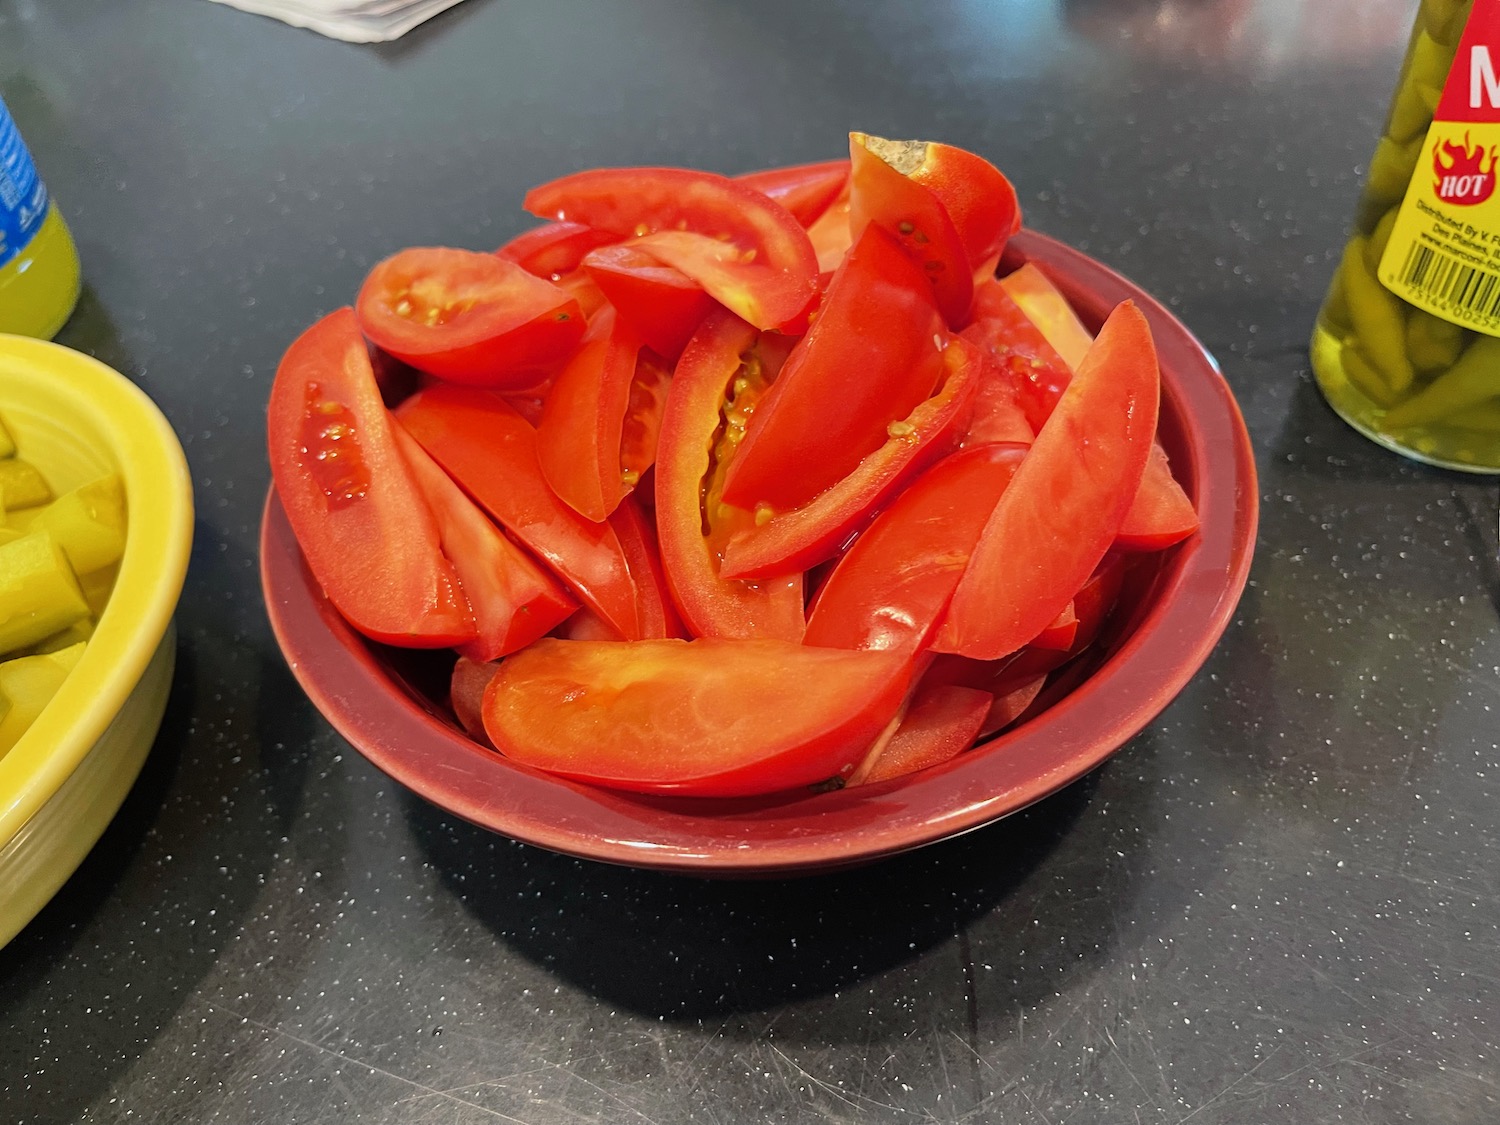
x=696 y=443
x=1011 y=701
x=513 y=600
x=1061 y=633
x=1028 y=365
x=977 y=196
x=806 y=190
x=581 y=439
x=710 y=717
x=1045 y=306
x=468 y=317
x=554 y=249
x=367 y=533
x=654 y=608
x=940 y=723
x=1161 y=513
x=1032 y=370
x=806 y=536
x=585 y=290
x=913 y=213
x=1067 y=501
x=490 y=450
x=998 y=414
x=466 y=696
x=830 y=235
x=891 y=587
x=662 y=304
x=873 y=353
x=747 y=251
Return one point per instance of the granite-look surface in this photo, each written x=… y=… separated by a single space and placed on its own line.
x=1278 y=904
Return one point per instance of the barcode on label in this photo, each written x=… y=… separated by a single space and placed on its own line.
x=1453 y=284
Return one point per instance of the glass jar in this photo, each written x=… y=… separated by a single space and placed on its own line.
x=1407 y=344
x=39 y=273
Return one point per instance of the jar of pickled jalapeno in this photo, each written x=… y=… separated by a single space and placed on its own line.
x=1407 y=344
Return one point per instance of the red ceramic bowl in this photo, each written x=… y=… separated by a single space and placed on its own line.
x=391 y=705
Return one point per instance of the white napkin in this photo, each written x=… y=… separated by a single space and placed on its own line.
x=354 y=21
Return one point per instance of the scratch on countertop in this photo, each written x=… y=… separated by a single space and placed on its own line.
x=427 y=1091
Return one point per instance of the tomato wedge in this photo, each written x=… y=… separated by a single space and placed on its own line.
x=913 y=213
x=490 y=450
x=710 y=717
x=466 y=696
x=873 y=353
x=695 y=441
x=806 y=536
x=805 y=190
x=468 y=317
x=654 y=609
x=1027 y=364
x=664 y=305
x=1161 y=513
x=599 y=422
x=1045 y=306
x=1067 y=501
x=554 y=249
x=367 y=533
x=747 y=251
x=976 y=195
x=891 y=587
x=513 y=600
x=940 y=723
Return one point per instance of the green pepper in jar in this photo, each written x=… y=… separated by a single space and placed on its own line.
x=1474 y=378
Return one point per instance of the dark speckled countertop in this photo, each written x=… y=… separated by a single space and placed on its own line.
x=1278 y=904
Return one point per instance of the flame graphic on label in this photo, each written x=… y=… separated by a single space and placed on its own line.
x=1463 y=177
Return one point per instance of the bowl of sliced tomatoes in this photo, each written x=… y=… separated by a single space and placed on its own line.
x=740 y=526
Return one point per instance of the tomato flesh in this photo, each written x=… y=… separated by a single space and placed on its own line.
x=490 y=450
x=1067 y=501
x=747 y=251
x=696 y=440
x=914 y=214
x=891 y=587
x=469 y=318
x=710 y=717
x=873 y=353
x=805 y=190
x=554 y=249
x=664 y=305
x=367 y=533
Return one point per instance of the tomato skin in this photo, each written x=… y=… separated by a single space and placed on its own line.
x=468 y=318
x=710 y=604
x=490 y=450
x=466 y=696
x=710 y=717
x=554 y=249
x=664 y=305
x=513 y=600
x=1067 y=501
x=873 y=353
x=583 y=418
x=364 y=527
x=1161 y=513
x=891 y=587
x=658 y=616
x=940 y=723
x=977 y=196
x=915 y=216
x=747 y=251
x=806 y=536
x=805 y=190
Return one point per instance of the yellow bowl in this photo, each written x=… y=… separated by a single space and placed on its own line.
x=62 y=782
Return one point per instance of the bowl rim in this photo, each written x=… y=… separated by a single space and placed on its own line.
x=1206 y=576
x=153 y=566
